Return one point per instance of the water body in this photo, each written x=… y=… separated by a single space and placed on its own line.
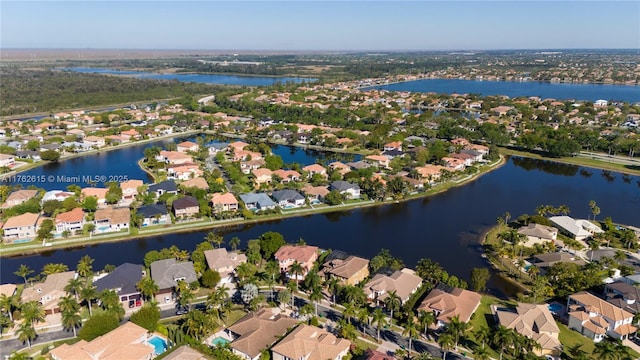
x=590 y=92
x=445 y=227
x=197 y=78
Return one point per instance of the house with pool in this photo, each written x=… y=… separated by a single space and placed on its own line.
x=111 y=219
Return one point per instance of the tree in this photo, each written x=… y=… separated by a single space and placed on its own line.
x=457 y=328
x=98 y=325
x=44 y=232
x=147 y=316
x=503 y=338
x=148 y=287
x=71 y=319
x=334 y=197
x=32 y=312
x=74 y=286
x=410 y=330
x=214 y=238
x=234 y=243
x=479 y=278
x=270 y=242
x=392 y=302
x=87 y=295
x=26 y=333
x=272 y=269
x=379 y=319
x=50 y=155
x=8 y=303
x=295 y=270
x=51 y=268
x=85 y=267
x=481 y=353
x=197 y=324
x=333 y=284
x=284 y=296
x=90 y=204
x=446 y=343
x=426 y=319
x=110 y=301
x=606 y=350
x=24 y=271
x=210 y=278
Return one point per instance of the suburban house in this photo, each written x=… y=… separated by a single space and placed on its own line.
x=166 y=274
x=164 y=187
x=538 y=234
x=7 y=160
x=349 y=269
x=154 y=214
x=395 y=145
x=99 y=193
x=262 y=176
x=237 y=145
x=310 y=343
x=184 y=171
x=533 y=321
x=55 y=195
x=257 y=201
x=198 y=182
x=20 y=228
x=315 y=193
x=94 y=141
x=595 y=318
x=8 y=289
x=223 y=202
x=123 y=280
x=257 y=331
x=248 y=166
x=71 y=221
x=304 y=255
x=351 y=191
x=624 y=296
x=377 y=160
x=163 y=129
x=112 y=219
x=404 y=282
x=18 y=197
x=453 y=163
x=187 y=146
x=185 y=207
x=340 y=167
x=315 y=169
x=545 y=261
x=370 y=354
x=49 y=292
x=128 y=341
x=174 y=157
x=575 y=229
x=130 y=189
x=447 y=302
x=287 y=176
x=288 y=198
x=224 y=263
x=430 y=172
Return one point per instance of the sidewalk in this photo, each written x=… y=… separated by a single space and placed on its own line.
x=51 y=322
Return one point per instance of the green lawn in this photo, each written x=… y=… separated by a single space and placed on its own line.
x=569 y=339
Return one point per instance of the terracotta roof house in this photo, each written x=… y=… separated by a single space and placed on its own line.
x=378 y=160
x=18 y=197
x=198 y=182
x=96 y=141
x=112 y=219
x=8 y=289
x=304 y=255
x=287 y=175
x=262 y=176
x=537 y=234
x=7 y=160
x=49 y=292
x=187 y=146
x=315 y=169
x=257 y=331
x=224 y=262
x=128 y=341
x=250 y=165
x=453 y=163
x=533 y=321
x=350 y=270
x=184 y=172
x=99 y=193
x=166 y=273
x=340 y=167
x=129 y=134
x=351 y=191
x=185 y=352
x=130 y=188
x=257 y=201
x=376 y=355
x=224 y=202
x=154 y=214
x=20 y=228
x=71 y=221
x=395 y=145
x=123 y=280
x=430 y=172
x=187 y=206
x=447 y=302
x=460 y=142
x=624 y=296
x=404 y=282
x=310 y=343
x=237 y=145
x=315 y=193
x=596 y=318
x=576 y=229
x=174 y=157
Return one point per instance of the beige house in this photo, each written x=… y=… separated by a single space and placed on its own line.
x=446 y=302
x=533 y=321
x=595 y=318
x=22 y=227
x=262 y=176
x=7 y=160
x=404 y=282
x=304 y=255
x=315 y=169
x=223 y=202
x=49 y=292
x=350 y=271
x=538 y=234
x=18 y=197
x=257 y=331
x=111 y=219
x=310 y=343
x=128 y=341
x=224 y=263
x=130 y=188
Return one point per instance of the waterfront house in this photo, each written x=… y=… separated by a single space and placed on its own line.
x=224 y=202
x=20 y=228
x=467 y=159
x=198 y=183
x=18 y=197
x=287 y=198
x=262 y=176
x=111 y=219
x=538 y=234
x=315 y=193
x=340 y=167
x=154 y=214
x=545 y=261
x=123 y=280
x=48 y=292
x=225 y=263
x=174 y=157
x=187 y=146
x=71 y=221
x=237 y=145
x=310 y=343
x=28 y=155
x=163 y=129
x=94 y=141
x=164 y=187
x=377 y=160
x=533 y=321
x=185 y=207
x=116 y=139
x=128 y=341
x=287 y=176
x=447 y=302
x=577 y=229
x=624 y=296
x=304 y=255
x=130 y=189
x=348 y=269
x=460 y=142
x=453 y=163
x=257 y=331
x=315 y=169
x=430 y=172
x=595 y=318
x=184 y=171
x=404 y=282
x=166 y=274
x=476 y=155
x=58 y=195
x=257 y=201
x=351 y=191
x=245 y=155
x=99 y=193
x=216 y=147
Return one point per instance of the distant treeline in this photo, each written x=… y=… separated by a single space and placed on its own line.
x=25 y=91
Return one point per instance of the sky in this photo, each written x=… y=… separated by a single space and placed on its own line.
x=320 y=25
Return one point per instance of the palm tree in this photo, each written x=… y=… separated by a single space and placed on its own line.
x=363 y=317
x=457 y=328
x=593 y=246
x=26 y=333
x=234 y=243
x=74 y=286
x=380 y=320
x=110 y=301
x=446 y=343
x=483 y=335
x=87 y=295
x=68 y=304
x=606 y=350
x=32 y=312
x=147 y=287
x=85 y=266
x=214 y=238
x=316 y=296
x=52 y=268
x=350 y=310
x=272 y=269
x=507 y=217
x=8 y=304
x=481 y=353
x=410 y=330
x=295 y=270
x=24 y=271
x=71 y=319
x=284 y=296
x=392 y=302
x=333 y=284
x=426 y=319
x=503 y=338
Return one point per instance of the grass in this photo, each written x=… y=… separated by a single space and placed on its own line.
x=569 y=339
x=365 y=344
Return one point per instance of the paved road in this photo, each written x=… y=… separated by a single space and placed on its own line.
x=9 y=346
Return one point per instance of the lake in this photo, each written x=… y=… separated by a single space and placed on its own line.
x=444 y=227
x=544 y=90
x=197 y=78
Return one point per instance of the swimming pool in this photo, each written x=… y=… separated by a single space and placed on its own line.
x=219 y=341
x=103 y=228
x=555 y=308
x=159 y=344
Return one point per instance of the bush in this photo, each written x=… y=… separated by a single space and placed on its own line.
x=210 y=278
x=147 y=317
x=98 y=325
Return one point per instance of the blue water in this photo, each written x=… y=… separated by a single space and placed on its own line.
x=159 y=344
x=555 y=308
x=197 y=78
x=219 y=341
x=304 y=157
x=590 y=92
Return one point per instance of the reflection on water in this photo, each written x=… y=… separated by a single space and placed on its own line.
x=548 y=167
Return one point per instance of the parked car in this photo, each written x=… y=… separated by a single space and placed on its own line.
x=182 y=311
